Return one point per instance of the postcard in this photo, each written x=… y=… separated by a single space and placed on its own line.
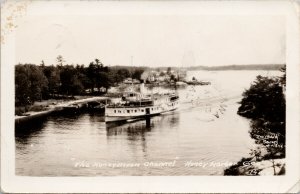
x=150 y=96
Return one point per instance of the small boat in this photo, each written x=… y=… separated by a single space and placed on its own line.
x=73 y=108
x=135 y=105
x=94 y=106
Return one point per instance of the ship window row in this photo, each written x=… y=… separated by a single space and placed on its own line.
x=134 y=110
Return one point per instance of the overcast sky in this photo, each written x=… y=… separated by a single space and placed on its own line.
x=152 y=40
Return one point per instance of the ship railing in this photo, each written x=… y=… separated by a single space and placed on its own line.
x=128 y=106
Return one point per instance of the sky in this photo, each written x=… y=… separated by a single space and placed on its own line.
x=152 y=40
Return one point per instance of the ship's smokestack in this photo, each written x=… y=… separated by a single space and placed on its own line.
x=142 y=87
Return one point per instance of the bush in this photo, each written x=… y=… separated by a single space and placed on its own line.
x=19 y=111
x=264 y=100
x=37 y=108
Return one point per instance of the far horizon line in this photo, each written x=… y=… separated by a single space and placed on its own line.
x=165 y=66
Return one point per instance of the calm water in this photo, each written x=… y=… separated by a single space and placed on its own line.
x=201 y=138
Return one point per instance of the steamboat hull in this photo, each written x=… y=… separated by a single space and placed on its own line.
x=128 y=118
x=132 y=113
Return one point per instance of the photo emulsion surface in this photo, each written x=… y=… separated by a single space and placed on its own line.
x=149 y=94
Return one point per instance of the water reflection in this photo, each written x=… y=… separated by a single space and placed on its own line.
x=142 y=126
x=96 y=117
x=24 y=131
x=137 y=132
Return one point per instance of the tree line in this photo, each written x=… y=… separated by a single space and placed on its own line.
x=39 y=82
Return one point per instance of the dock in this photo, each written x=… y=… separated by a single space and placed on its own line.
x=69 y=106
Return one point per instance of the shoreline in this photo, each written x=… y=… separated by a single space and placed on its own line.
x=57 y=107
x=252 y=167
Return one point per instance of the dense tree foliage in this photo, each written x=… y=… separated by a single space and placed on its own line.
x=53 y=76
x=264 y=99
x=137 y=73
x=30 y=83
x=264 y=103
x=38 y=82
x=70 y=83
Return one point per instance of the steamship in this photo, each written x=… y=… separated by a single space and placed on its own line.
x=135 y=105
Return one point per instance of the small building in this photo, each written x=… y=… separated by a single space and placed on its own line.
x=151 y=78
x=128 y=80
x=131 y=81
x=161 y=78
x=135 y=81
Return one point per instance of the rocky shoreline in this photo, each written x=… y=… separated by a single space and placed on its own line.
x=252 y=167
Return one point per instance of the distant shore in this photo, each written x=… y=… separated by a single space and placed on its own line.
x=254 y=67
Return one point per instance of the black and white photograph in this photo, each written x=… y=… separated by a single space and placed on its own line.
x=119 y=89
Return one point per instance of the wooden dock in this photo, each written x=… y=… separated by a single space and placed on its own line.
x=70 y=106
